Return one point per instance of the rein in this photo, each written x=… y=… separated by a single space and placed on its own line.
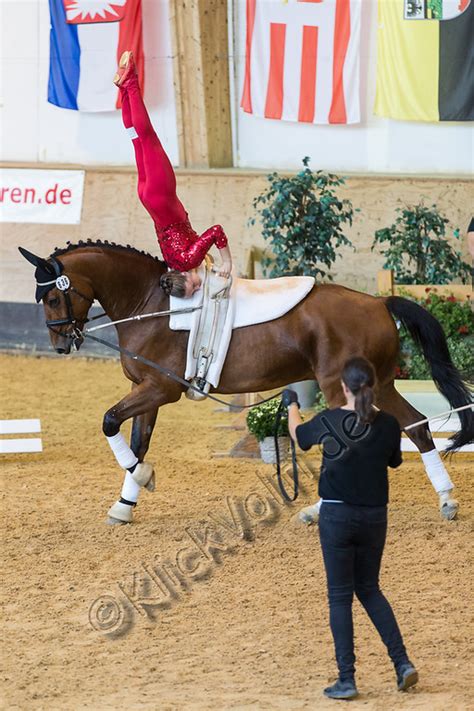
x=294 y=462
x=170 y=374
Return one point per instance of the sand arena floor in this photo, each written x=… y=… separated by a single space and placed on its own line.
x=247 y=626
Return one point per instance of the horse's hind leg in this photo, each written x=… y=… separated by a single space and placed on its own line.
x=391 y=401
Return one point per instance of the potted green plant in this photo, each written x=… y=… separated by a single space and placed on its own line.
x=261 y=423
x=418 y=249
x=303 y=222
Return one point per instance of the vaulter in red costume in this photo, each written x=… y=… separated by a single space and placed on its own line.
x=182 y=248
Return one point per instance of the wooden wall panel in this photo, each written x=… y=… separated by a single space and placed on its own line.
x=112 y=211
x=201 y=79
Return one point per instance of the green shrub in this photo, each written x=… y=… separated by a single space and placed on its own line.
x=418 y=368
x=320 y=403
x=302 y=220
x=462 y=354
x=261 y=420
x=418 y=250
x=455 y=316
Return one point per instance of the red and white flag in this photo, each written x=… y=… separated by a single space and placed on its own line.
x=302 y=60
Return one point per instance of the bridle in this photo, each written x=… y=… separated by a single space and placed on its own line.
x=63 y=284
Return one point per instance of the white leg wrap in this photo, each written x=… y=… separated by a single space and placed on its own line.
x=131 y=133
x=130 y=488
x=436 y=471
x=123 y=454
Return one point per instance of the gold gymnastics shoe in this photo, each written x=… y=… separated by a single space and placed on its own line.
x=126 y=67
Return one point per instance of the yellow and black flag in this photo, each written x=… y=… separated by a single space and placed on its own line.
x=425 y=60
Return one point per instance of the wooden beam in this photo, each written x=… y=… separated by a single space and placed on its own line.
x=386 y=285
x=385 y=281
x=201 y=78
x=462 y=292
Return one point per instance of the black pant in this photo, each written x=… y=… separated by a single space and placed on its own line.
x=352 y=540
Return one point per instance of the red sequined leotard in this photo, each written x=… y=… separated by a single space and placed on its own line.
x=181 y=246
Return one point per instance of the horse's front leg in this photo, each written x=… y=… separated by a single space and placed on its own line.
x=142 y=404
x=142 y=430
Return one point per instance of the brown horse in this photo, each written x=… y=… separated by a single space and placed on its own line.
x=313 y=340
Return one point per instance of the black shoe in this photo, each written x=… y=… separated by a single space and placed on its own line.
x=342 y=690
x=406 y=676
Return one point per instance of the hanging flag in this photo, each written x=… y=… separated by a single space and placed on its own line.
x=302 y=60
x=425 y=64
x=434 y=9
x=86 y=41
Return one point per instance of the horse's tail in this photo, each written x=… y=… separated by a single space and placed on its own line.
x=428 y=333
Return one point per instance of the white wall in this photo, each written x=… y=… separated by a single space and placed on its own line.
x=33 y=130
x=376 y=145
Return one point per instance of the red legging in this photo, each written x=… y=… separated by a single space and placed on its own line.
x=182 y=248
x=156 y=178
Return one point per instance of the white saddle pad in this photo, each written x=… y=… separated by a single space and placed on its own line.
x=255 y=300
x=251 y=301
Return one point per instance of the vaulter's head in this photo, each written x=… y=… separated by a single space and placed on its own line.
x=180 y=284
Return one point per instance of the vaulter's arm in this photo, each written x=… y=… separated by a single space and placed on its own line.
x=294 y=420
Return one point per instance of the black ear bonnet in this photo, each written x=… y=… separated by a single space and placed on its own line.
x=46 y=272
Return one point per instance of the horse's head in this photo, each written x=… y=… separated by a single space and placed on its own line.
x=66 y=301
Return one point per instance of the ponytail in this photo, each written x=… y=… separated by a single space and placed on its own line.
x=364 y=400
x=359 y=376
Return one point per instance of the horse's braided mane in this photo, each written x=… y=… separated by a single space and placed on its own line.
x=58 y=251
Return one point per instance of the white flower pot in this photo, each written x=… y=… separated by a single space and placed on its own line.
x=306 y=391
x=267 y=449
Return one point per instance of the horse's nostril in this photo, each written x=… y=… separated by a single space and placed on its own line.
x=60 y=350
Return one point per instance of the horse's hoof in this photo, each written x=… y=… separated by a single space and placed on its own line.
x=115 y=522
x=119 y=513
x=144 y=475
x=449 y=510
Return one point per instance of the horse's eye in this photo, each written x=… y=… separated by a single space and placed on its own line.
x=53 y=302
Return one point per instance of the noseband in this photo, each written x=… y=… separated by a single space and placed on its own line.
x=63 y=284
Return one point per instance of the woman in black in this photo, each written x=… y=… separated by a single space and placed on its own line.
x=359 y=442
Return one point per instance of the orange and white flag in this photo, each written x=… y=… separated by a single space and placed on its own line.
x=302 y=60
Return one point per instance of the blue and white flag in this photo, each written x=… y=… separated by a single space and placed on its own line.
x=86 y=41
